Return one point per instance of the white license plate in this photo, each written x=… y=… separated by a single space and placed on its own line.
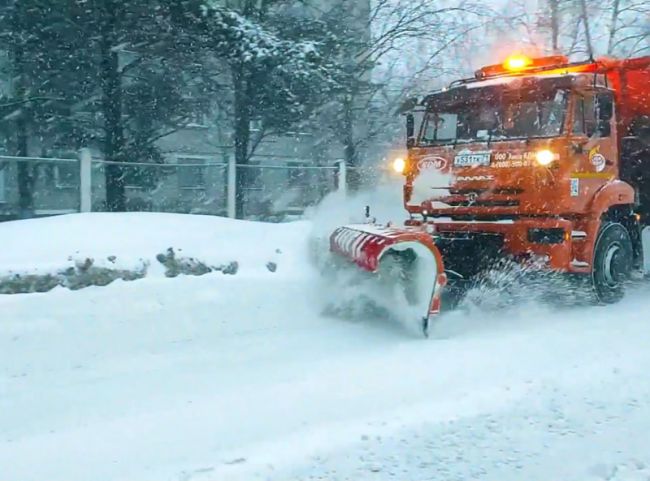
x=472 y=159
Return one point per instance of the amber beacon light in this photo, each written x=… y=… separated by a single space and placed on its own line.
x=517 y=62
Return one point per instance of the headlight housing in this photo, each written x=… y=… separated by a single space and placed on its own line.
x=545 y=157
x=399 y=165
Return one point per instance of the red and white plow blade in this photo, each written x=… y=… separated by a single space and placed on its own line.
x=377 y=249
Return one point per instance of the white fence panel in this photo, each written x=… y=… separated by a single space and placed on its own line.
x=192 y=184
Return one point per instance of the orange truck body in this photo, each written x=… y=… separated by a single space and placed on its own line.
x=512 y=196
x=538 y=161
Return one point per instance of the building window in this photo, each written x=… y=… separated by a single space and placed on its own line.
x=256 y=125
x=66 y=175
x=198 y=120
x=297 y=175
x=191 y=173
x=141 y=177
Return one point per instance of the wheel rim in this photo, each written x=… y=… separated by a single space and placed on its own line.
x=614 y=265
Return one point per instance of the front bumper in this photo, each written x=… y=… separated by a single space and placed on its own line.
x=469 y=245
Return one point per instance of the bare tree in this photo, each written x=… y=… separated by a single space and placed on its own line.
x=554 y=11
x=577 y=28
x=629 y=27
x=584 y=17
x=611 y=27
x=616 y=11
x=379 y=65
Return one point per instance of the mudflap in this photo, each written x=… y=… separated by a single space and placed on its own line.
x=403 y=259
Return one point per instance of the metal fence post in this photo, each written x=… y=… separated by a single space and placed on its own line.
x=85 y=180
x=343 y=177
x=231 y=190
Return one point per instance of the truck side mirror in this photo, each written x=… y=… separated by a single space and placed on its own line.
x=605 y=112
x=410 y=130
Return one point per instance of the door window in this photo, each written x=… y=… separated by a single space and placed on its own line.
x=584 y=116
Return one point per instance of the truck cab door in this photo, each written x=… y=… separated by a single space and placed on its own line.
x=595 y=149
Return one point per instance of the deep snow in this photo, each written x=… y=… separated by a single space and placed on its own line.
x=242 y=377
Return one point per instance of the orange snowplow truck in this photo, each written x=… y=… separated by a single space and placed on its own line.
x=541 y=161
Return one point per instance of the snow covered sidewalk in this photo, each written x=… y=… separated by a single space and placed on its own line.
x=240 y=377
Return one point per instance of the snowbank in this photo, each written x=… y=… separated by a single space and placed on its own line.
x=146 y=242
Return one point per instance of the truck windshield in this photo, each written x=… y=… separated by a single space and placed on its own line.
x=493 y=116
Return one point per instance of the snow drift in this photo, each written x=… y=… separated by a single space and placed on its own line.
x=80 y=250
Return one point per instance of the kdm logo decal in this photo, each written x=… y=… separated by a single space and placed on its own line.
x=597 y=159
x=434 y=162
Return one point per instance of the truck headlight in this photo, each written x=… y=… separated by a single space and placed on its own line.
x=545 y=157
x=399 y=165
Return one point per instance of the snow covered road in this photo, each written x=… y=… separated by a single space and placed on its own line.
x=242 y=377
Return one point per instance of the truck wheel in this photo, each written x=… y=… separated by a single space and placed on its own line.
x=613 y=257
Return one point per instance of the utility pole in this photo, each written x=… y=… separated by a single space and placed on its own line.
x=19 y=91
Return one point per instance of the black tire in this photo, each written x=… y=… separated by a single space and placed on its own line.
x=612 y=266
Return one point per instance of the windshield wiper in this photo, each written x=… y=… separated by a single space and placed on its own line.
x=490 y=133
